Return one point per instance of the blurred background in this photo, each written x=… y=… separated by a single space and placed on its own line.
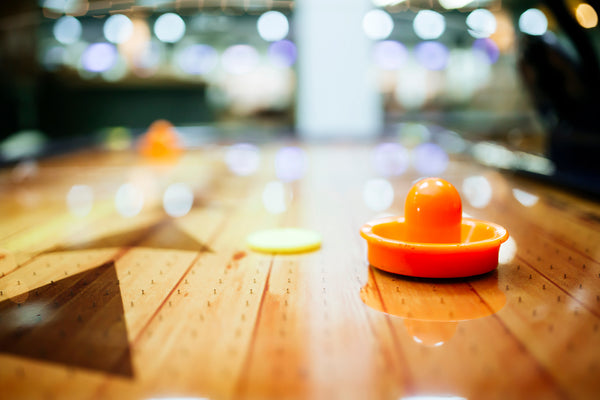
x=521 y=74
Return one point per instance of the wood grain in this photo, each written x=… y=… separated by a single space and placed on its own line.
x=103 y=306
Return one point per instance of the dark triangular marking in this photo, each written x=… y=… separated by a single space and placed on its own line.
x=77 y=321
x=162 y=235
x=170 y=236
x=121 y=239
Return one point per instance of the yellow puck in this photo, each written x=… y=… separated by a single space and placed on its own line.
x=284 y=241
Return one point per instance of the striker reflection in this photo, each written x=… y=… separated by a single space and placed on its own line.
x=432 y=309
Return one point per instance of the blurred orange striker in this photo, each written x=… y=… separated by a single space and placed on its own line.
x=432 y=240
x=160 y=141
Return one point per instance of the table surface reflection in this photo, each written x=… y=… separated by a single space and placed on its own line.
x=123 y=277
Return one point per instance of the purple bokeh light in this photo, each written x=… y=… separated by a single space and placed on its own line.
x=99 y=57
x=290 y=163
x=391 y=159
x=243 y=159
x=198 y=59
x=430 y=159
x=389 y=54
x=240 y=59
x=282 y=53
x=432 y=55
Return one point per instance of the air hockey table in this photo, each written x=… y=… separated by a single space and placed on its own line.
x=123 y=277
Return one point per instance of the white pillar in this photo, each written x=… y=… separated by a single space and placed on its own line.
x=337 y=94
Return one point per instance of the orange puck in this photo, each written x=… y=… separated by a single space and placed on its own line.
x=432 y=240
x=160 y=141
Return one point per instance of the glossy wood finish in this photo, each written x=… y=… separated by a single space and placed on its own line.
x=102 y=306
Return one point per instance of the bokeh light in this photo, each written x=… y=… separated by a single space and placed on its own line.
x=429 y=24
x=243 y=159
x=118 y=28
x=481 y=23
x=453 y=4
x=197 y=59
x=275 y=197
x=264 y=88
x=467 y=71
x=99 y=57
x=391 y=159
x=429 y=159
x=378 y=194
x=525 y=198
x=61 y=6
x=432 y=55
x=67 y=30
x=178 y=199
x=477 y=190
x=508 y=251
x=22 y=144
x=451 y=142
x=282 y=53
x=377 y=24
x=586 y=16
x=80 y=200
x=129 y=200
x=533 y=22
x=290 y=163
x=536 y=164
x=389 y=54
x=169 y=28
x=412 y=134
x=272 y=26
x=240 y=59
x=117 y=138
x=495 y=155
x=411 y=88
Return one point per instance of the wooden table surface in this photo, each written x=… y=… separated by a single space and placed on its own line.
x=94 y=304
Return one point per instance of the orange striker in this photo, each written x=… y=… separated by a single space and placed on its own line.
x=433 y=240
